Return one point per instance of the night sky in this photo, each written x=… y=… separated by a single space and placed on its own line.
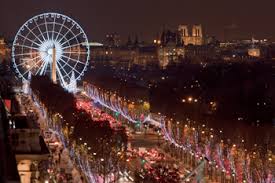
x=147 y=17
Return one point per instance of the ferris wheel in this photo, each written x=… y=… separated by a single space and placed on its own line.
x=51 y=44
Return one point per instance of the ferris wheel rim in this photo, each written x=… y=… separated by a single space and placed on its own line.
x=64 y=18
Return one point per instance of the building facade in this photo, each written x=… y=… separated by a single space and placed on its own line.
x=192 y=36
x=29 y=148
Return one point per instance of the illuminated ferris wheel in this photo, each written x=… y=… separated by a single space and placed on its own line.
x=51 y=44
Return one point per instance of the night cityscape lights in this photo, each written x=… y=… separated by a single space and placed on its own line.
x=155 y=95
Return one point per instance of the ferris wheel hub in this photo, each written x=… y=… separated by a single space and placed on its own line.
x=50 y=51
x=46 y=50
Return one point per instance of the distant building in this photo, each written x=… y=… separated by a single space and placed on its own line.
x=169 y=38
x=141 y=55
x=254 y=52
x=146 y=55
x=105 y=53
x=112 y=40
x=195 y=37
x=202 y=53
x=245 y=50
x=169 y=54
x=170 y=48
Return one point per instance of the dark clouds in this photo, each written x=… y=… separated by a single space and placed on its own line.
x=146 y=17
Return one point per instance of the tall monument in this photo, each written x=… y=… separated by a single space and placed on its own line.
x=54 y=64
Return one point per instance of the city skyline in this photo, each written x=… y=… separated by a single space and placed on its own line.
x=146 y=19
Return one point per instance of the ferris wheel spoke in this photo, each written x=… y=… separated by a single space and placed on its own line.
x=33 y=33
x=22 y=63
x=69 y=66
x=25 y=46
x=40 y=68
x=47 y=32
x=53 y=27
x=57 y=37
x=26 y=60
x=74 y=52
x=74 y=45
x=66 y=33
x=60 y=75
x=38 y=27
x=74 y=37
x=34 y=58
x=24 y=54
x=40 y=60
x=77 y=61
x=29 y=39
x=43 y=66
x=43 y=70
x=62 y=67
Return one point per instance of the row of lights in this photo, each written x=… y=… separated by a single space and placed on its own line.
x=190 y=100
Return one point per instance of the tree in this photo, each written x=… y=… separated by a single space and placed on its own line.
x=104 y=147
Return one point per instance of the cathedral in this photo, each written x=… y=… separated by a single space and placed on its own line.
x=194 y=37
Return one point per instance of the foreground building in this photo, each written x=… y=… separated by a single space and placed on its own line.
x=8 y=169
x=29 y=148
